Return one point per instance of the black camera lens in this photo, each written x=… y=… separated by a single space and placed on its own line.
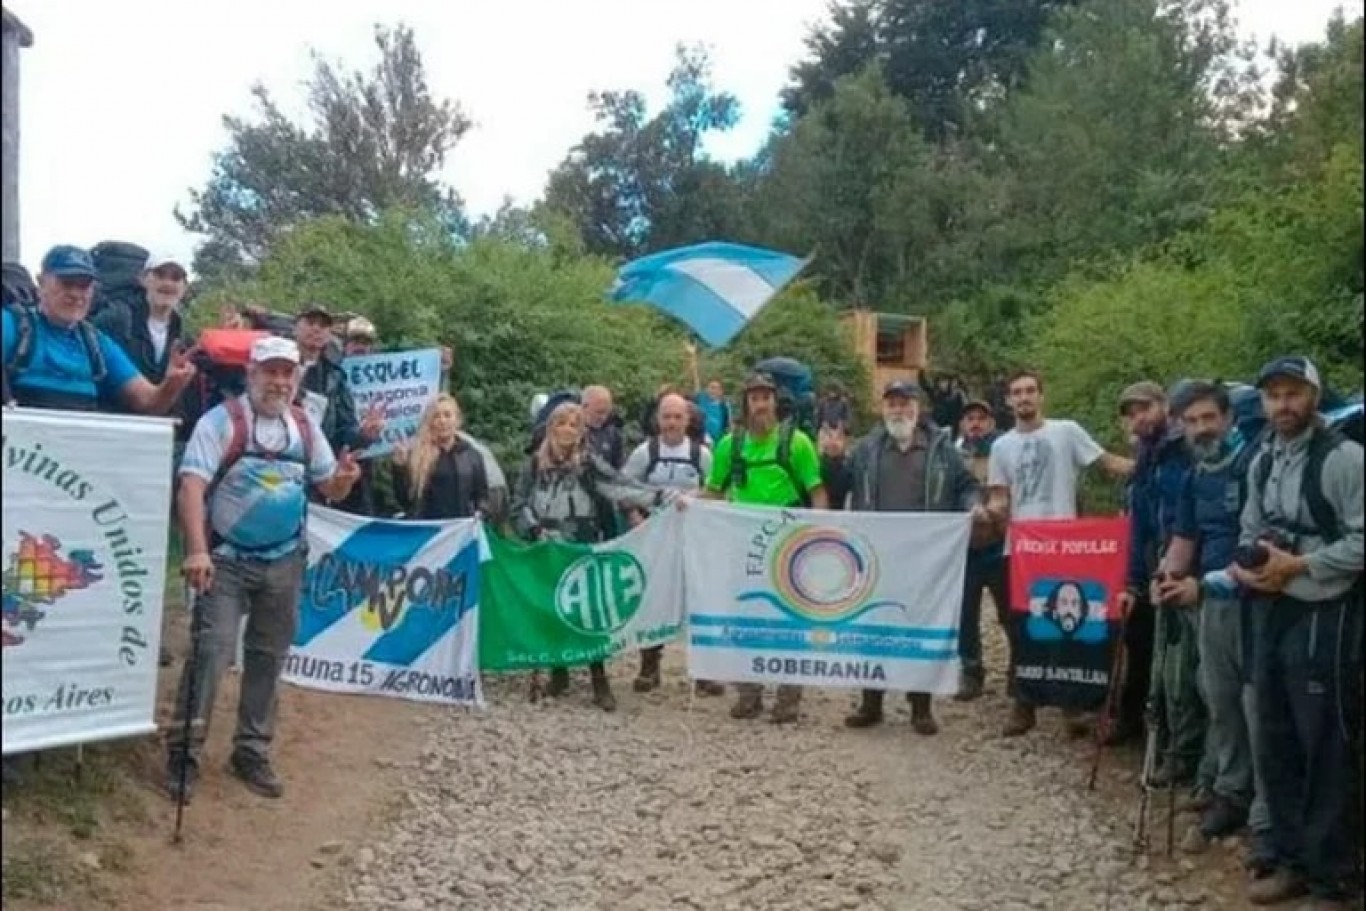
x=1252 y=556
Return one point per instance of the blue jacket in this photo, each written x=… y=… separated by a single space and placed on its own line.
x=1154 y=500
x=1211 y=506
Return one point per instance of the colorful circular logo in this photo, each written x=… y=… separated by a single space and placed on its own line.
x=600 y=593
x=823 y=574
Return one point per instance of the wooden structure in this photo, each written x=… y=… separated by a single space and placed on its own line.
x=892 y=346
x=14 y=35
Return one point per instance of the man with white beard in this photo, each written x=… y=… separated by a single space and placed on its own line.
x=243 y=504
x=903 y=466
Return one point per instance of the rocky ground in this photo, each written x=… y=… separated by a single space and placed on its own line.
x=671 y=804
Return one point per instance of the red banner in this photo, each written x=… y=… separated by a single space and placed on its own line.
x=1066 y=577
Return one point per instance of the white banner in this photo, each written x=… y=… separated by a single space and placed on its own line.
x=87 y=502
x=824 y=598
x=390 y=608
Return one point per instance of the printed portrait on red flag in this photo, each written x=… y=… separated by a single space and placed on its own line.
x=1066 y=577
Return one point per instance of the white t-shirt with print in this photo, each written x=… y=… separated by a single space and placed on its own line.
x=1041 y=468
x=673 y=470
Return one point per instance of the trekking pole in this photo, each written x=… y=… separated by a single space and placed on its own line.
x=1145 y=779
x=1172 y=748
x=1112 y=697
x=188 y=725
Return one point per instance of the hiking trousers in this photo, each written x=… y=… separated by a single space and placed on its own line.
x=1307 y=674
x=1226 y=682
x=1176 y=690
x=266 y=592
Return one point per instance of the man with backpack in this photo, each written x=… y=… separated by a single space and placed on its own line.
x=1193 y=579
x=765 y=462
x=149 y=327
x=673 y=460
x=54 y=357
x=985 y=570
x=1300 y=555
x=243 y=507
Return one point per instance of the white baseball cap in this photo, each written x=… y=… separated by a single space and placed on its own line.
x=158 y=259
x=274 y=348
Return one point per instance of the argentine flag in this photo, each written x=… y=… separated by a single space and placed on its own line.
x=716 y=288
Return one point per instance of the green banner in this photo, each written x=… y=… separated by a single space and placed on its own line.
x=564 y=605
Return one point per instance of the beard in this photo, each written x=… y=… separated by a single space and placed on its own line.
x=1206 y=449
x=1068 y=622
x=899 y=429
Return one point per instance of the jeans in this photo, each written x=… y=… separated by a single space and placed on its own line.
x=1307 y=676
x=984 y=573
x=267 y=593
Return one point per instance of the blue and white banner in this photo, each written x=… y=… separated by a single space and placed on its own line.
x=715 y=288
x=403 y=382
x=390 y=608
x=824 y=598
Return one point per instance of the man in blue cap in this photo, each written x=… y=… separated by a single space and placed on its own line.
x=55 y=359
x=1300 y=558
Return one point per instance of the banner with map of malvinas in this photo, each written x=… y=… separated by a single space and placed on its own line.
x=86 y=509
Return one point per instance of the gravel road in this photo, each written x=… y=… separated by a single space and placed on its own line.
x=670 y=804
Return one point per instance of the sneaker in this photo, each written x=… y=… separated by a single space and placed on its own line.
x=1222 y=818
x=1021 y=721
x=258 y=776
x=181 y=777
x=1281 y=886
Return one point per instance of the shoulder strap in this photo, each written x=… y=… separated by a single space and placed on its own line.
x=237 y=435
x=91 y=337
x=784 y=459
x=1324 y=515
x=739 y=470
x=23 y=345
x=695 y=454
x=305 y=431
x=652 y=448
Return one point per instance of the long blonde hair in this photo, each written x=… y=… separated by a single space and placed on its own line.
x=425 y=451
x=546 y=457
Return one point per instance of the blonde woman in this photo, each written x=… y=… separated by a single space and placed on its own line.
x=439 y=474
x=563 y=494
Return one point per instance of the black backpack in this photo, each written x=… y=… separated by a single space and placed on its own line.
x=118 y=273
x=694 y=456
x=1324 y=440
x=740 y=467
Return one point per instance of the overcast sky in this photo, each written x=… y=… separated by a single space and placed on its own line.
x=122 y=100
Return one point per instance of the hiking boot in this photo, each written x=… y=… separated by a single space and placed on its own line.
x=709 y=688
x=970 y=687
x=176 y=784
x=559 y=682
x=922 y=717
x=1280 y=886
x=869 y=711
x=602 y=689
x=750 y=704
x=257 y=774
x=1197 y=801
x=787 y=707
x=648 y=678
x=1077 y=725
x=1221 y=818
x=1021 y=721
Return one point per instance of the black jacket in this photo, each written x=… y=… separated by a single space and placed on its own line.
x=126 y=323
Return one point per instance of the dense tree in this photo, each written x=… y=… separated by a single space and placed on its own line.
x=376 y=140
x=641 y=183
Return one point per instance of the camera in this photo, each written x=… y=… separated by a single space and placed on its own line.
x=1255 y=555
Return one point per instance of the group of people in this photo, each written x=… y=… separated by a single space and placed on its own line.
x=1243 y=606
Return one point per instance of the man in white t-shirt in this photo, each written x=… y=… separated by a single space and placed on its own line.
x=1032 y=474
x=671 y=459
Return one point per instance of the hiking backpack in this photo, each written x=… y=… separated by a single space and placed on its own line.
x=118 y=273
x=25 y=331
x=796 y=390
x=1339 y=426
x=740 y=466
x=220 y=358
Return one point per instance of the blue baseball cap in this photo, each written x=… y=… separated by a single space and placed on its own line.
x=1295 y=368
x=67 y=261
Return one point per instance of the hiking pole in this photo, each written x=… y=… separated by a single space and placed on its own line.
x=188 y=725
x=1145 y=779
x=1112 y=697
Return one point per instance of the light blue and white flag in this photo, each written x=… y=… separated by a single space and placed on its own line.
x=716 y=288
x=390 y=608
